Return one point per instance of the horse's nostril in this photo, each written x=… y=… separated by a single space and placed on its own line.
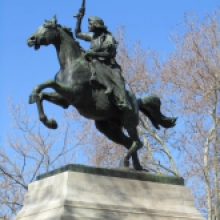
x=32 y=38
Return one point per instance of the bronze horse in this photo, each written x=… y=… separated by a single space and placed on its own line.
x=72 y=87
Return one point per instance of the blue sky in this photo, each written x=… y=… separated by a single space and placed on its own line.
x=21 y=68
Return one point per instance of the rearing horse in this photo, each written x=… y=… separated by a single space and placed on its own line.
x=72 y=87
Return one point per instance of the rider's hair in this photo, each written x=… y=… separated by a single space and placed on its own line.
x=99 y=24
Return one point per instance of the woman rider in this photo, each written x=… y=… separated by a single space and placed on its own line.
x=105 y=70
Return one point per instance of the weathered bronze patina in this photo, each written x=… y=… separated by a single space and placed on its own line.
x=92 y=82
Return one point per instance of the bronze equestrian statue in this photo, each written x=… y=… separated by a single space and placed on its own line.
x=92 y=82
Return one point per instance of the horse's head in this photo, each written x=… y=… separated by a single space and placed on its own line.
x=45 y=34
x=61 y=37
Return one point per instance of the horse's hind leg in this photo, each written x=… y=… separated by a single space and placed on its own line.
x=116 y=135
x=129 y=121
x=134 y=147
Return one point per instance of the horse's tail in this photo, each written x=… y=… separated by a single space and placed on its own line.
x=150 y=106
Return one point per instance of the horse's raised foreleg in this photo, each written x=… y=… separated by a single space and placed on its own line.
x=50 y=123
x=61 y=89
x=54 y=98
x=117 y=135
x=38 y=97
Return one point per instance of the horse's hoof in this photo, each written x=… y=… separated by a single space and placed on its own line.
x=124 y=163
x=137 y=167
x=52 y=124
x=34 y=97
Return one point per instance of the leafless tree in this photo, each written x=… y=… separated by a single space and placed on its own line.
x=188 y=84
x=31 y=150
x=192 y=75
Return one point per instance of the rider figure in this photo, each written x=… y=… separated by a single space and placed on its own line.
x=105 y=70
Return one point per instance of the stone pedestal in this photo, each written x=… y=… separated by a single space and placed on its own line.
x=83 y=193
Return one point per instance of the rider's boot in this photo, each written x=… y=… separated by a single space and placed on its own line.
x=123 y=106
x=123 y=103
x=108 y=91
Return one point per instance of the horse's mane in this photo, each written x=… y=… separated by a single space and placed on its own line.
x=52 y=24
x=68 y=31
